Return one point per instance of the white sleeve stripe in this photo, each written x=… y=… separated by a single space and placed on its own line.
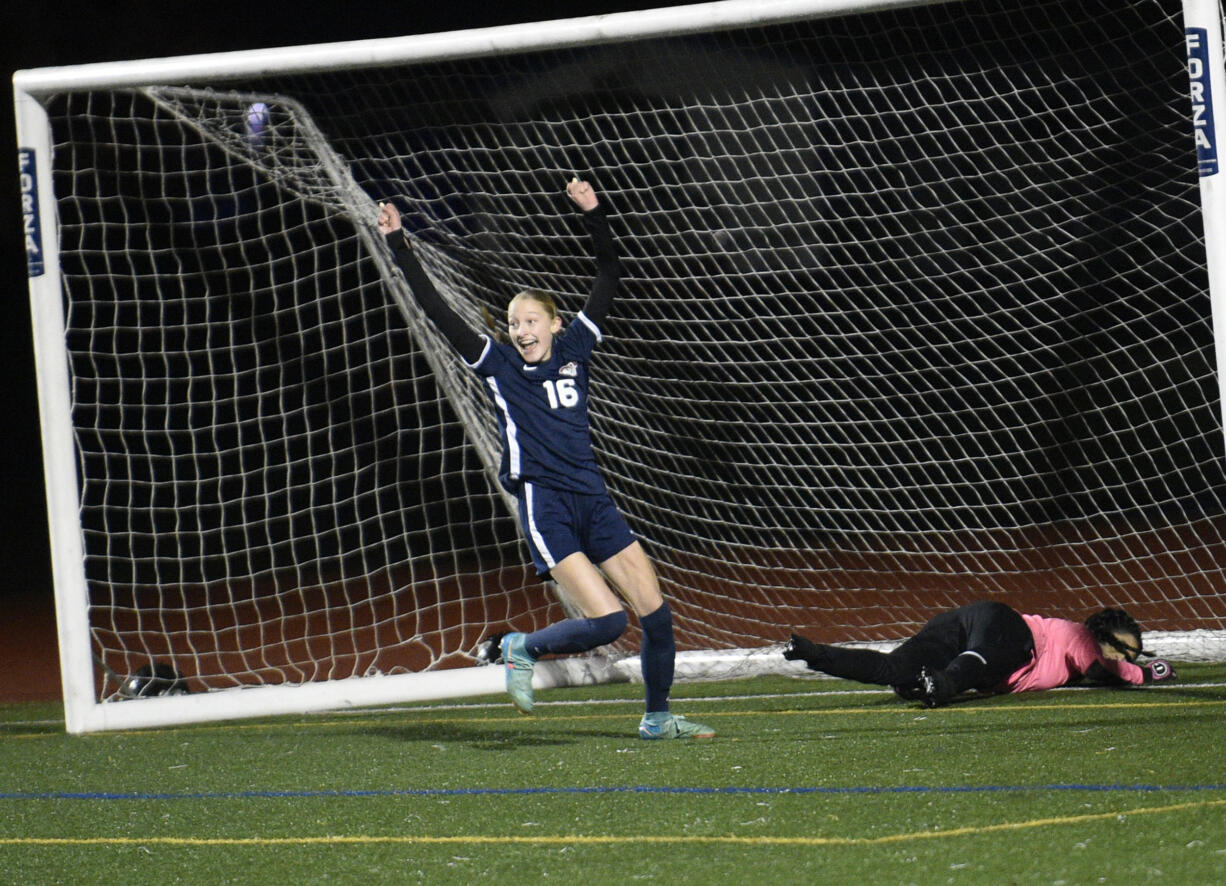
x=484 y=352
x=583 y=318
x=976 y=654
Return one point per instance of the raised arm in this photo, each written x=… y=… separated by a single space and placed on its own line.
x=467 y=343
x=608 y=268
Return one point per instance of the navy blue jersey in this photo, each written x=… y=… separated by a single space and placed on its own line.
x=542 y=412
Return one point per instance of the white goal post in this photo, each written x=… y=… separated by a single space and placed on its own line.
x=923 y=303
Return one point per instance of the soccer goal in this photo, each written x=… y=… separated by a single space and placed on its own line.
x=919 y=308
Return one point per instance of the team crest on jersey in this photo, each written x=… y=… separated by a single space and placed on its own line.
x=570 y=369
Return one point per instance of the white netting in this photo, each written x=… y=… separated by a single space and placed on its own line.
x=914 y=313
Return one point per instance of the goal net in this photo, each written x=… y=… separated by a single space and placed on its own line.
x=915 y=311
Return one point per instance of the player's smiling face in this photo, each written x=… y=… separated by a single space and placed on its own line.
x=532 y=327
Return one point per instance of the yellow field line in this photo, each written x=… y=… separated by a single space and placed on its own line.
x=604 y=840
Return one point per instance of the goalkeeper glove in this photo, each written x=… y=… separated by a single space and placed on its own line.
x=1156 y=670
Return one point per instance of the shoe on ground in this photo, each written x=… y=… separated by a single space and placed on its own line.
x=654 y=726
x=489 y=650
x=800 y=649
x=937 y=688
x=518 y=664
x=913 y=691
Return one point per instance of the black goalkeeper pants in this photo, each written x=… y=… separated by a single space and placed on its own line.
x=977 y=646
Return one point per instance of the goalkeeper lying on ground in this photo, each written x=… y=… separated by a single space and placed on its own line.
x=989 y=647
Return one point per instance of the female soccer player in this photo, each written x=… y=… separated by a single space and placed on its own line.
x=990 y=647
x=538 y=385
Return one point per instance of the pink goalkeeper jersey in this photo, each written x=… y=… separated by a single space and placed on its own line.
x=1063 y=650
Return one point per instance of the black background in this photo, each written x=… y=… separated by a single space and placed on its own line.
x=49 y=34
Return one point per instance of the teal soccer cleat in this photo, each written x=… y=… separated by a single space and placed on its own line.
x=518 y=664
x=665 y=725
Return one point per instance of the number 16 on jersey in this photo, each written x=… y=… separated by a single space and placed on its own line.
x=562 y=393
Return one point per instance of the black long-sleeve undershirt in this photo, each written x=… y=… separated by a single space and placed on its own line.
x=467 y=343
x=608 y=268
x=459 y=334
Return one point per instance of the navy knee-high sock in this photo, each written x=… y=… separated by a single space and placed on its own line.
x=657 y=656
x=576 y=634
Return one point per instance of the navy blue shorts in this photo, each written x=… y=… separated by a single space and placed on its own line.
x=558 y=524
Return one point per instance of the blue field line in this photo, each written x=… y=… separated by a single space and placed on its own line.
x=625 y=789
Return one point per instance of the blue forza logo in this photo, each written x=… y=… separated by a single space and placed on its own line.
x=1202 y=101
x=29 y=212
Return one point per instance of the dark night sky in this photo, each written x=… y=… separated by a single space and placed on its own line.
x=54 y=34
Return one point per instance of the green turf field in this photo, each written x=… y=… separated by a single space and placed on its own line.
x=809 y=781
